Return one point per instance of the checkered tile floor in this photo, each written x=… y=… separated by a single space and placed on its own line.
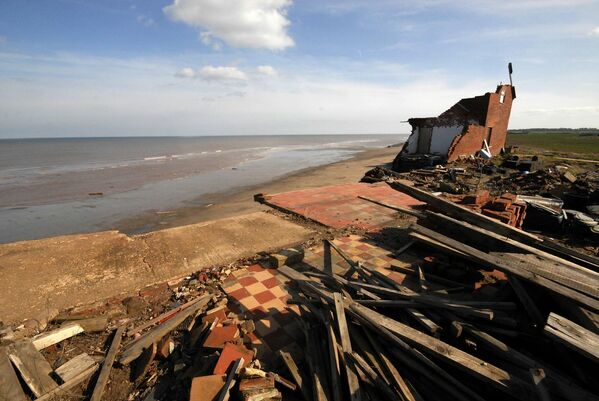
x=338 y=206
x=363 y=250
x=262 y=296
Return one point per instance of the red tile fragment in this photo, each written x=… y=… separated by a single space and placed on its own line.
x=231 y=353
x=221 y=335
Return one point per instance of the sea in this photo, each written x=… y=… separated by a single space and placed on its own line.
x=62 y=186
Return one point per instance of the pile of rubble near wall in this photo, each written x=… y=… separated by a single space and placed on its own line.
x=559 y=198
x=533 y=335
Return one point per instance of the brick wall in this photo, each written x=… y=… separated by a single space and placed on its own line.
x=498 y=115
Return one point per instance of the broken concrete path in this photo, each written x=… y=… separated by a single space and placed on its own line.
x=65 y=271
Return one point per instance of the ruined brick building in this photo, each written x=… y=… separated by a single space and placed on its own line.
x=460 y=131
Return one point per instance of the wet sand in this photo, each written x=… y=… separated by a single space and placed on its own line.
x=240 y=201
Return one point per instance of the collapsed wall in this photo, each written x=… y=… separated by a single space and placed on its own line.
x=470 y=125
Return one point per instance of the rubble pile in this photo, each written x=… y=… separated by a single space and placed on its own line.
x=522 y=337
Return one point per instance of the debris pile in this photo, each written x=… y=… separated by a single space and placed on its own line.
x=528 y=336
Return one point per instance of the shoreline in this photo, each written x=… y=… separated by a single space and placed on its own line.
x=240 y=200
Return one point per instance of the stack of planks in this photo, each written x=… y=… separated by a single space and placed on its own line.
x=369 y=337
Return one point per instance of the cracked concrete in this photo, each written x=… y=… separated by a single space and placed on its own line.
x=78 y=269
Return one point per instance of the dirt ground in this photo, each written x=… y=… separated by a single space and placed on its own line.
x=62 y=272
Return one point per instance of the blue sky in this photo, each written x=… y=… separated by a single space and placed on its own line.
x=210 y=67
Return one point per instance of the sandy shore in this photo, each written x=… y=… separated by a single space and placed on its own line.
x=234 y=203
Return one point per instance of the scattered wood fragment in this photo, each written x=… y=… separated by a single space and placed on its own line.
x=73 y=367
x=63 y=388
x=573 y=336
x=45 y=340
x=136 y=347
x=33 y=367
x=107 y=365
x=10 y=388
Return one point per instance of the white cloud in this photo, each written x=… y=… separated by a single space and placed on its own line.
x=267 y=70
x=212 y=73
x=239 y=23
x=595 y=31
x=145 y=20
x=186 y=73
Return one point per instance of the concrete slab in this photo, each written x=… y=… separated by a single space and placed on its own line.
x=77 y=269
x=338 y=206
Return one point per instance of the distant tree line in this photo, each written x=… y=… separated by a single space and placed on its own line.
x=575 y=131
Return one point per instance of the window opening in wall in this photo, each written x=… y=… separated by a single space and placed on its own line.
x=502 y=97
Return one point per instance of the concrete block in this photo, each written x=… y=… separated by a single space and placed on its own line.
x=289 y=256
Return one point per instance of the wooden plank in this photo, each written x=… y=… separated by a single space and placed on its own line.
x=493 y=240
x=573 y=336
x=44 y=340
x=507 y=267
x=455 y=387
x=107 y=365
x=65 y=387
x=10 y=387
x=163 y=317
x=32 y=366
x=465 y=214
x=334 y=363
x=557 y=383
x=374 y=377
x=529 y=305
x=405 y=210
x=538 y=378
x=328 y=264
x=73 y=367
x=350 y=369
x=295 y=374
x=135 y=348
x=470 y=364
x=396 y=377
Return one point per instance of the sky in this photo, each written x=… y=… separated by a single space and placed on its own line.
x=243 y=67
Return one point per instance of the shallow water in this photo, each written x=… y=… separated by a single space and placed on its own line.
x=43 y=193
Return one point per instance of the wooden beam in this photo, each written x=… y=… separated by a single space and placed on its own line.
x=107 y=365
x=135 y=348
x=295 y=374
x=350 y=369
x=374 y=377
x=45 y=340
x=10 y=387
x=334 y=363
x=34 y=368
x=74 y=366
x=63 y=388
x=470 y=364
x=573 y=336
x=507 y=267
x=465 y=214
x=400 y=209
x=538 y=378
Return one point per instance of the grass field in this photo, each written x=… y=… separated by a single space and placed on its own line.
x=583 y=145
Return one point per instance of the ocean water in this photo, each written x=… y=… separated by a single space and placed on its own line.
x=64 y=186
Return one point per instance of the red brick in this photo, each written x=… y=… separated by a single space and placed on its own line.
x=231 y=353
x=221 y=335
x=258 y=383
x=479 y=198
x=500 y=204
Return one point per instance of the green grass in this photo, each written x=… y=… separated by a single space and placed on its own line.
x=582 y=145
